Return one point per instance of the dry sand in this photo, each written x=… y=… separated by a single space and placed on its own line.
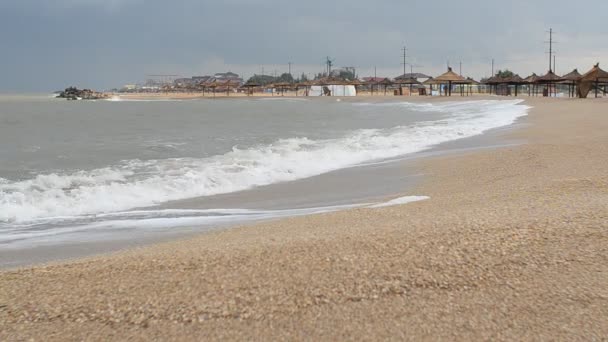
x=512 y=245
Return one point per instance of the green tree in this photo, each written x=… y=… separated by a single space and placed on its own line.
x=285 y=78
x=504 y=74
x=261 y=79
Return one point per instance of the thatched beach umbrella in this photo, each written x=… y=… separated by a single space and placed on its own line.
x=449 y=78
x=306 y=85
x=213 y=86
x=571 y=79
x=515 y=81
x=430 y=82
x=531 y=81
x=549 y=79
x=249 y=86
x=386 y=83
x=407 y=81
x=595 y=76
x=356 y=83
x=281 y=86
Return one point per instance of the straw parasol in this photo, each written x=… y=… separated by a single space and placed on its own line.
x=213 y=85
x=550 y=78
x=249 y=86
x=531 y=81
x=594 y=76
x=571 y=79
x=407 y=81
x=386 y=83
x=515 y=81
x=356 y=83
x=306 y=85
x=449 y=77
x=282 y=86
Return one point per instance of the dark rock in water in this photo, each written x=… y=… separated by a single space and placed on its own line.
x=73 y=93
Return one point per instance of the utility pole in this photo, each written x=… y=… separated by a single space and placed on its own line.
x=554 y=65
x=375 y=74
x=289 y=68
x=460 y=68
x=329 y=64
x=550 y=47
x=492 y=68
x=404 y=59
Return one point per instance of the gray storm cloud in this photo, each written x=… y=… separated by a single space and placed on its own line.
x=48 y=45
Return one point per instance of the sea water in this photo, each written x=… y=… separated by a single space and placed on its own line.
x=70 y=168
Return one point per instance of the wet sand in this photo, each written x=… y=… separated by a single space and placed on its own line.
x=511 y=245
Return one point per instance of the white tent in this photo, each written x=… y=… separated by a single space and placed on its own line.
x=336 y=90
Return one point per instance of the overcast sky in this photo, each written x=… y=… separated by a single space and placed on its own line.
x=48 y=45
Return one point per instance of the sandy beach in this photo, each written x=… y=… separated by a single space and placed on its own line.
x=511 y=245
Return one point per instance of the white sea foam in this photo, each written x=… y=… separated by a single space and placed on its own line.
x=137 y=183
x=400 y=200
x=117 y=98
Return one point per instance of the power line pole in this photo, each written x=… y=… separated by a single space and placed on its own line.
x=550 y=48
x=329 y=64
x=554 y=65
x=289 y=68
x=492 y=68
x=460 y=68
x=404 y=59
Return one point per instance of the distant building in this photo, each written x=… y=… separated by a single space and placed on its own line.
x=228 y=76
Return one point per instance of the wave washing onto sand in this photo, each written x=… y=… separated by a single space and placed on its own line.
x=47 y=230
x=137 y=184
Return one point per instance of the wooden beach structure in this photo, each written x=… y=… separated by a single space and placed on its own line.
x=594 y=78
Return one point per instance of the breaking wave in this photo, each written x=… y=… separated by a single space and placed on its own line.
x=137 y=183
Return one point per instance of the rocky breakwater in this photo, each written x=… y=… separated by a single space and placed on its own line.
x=73 y=93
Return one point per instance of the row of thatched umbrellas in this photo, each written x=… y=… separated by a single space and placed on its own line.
x=577 y=84
x=575 y=81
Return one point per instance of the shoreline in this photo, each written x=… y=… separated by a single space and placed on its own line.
x=511 y=245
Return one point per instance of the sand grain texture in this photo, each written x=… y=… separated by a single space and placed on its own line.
x=512 y=245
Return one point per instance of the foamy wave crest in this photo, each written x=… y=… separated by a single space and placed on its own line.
x=136 y=183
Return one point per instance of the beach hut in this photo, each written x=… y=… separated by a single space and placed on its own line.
x=571 y=79
x=593 y=78
x=549 y=79
x=450 y=78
